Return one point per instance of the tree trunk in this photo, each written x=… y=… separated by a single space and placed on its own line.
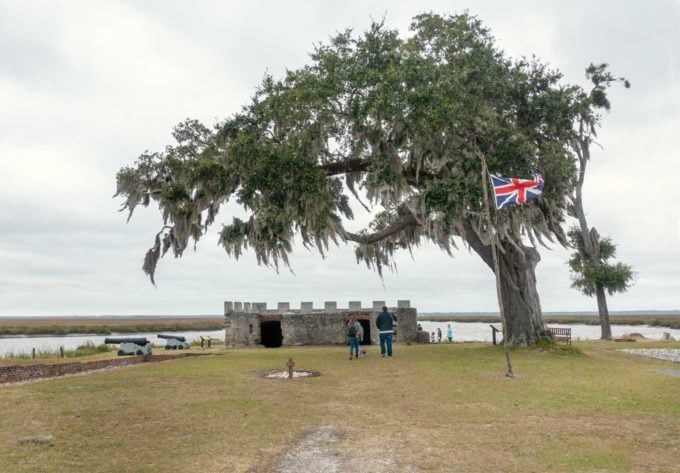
x=591 y=245
x=523 y=315
x=604 y=313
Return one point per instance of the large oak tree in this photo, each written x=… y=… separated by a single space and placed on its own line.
x=401 y=124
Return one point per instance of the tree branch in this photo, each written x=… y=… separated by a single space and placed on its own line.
x=403 y=222
x=343 y=167
x=476 y=243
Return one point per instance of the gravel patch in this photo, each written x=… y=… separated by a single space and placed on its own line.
x=284 y=374
x=667 y=354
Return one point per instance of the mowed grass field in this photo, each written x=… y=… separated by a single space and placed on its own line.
x=432 y=408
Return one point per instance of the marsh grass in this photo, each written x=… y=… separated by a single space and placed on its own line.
x=432 y=408
x=105 y=325
x=87 y=349
x=670 y=322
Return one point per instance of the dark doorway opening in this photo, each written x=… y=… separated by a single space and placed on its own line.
x=366 y=325
x=270 y=334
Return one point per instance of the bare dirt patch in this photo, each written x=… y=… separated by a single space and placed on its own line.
x=670 y=372
x=314 y=453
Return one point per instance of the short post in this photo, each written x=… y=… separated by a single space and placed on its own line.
x=33 y=356
x=290 y=365
x=209 y=341
x=61 y=351
x=202 y=341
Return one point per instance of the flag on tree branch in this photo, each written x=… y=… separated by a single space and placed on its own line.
x=513 y=191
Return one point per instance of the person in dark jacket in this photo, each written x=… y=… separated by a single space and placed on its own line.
x=353 y=328
x=385 y=324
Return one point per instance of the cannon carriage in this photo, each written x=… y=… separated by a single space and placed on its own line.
x=175 y=342
x=130 y=346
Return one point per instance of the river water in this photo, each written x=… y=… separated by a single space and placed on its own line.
x=481 y=332
x=462 y=332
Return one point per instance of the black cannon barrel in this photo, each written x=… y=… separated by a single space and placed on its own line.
x=136 y=341
x=176 y=337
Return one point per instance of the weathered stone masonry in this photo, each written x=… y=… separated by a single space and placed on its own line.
x=252 y=324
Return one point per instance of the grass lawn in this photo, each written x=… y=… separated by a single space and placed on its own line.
x=431 y=408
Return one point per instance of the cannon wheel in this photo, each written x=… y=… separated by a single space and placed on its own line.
x=121 y=353
x=139 y=352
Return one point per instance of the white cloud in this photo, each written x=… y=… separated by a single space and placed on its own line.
x=85 y=87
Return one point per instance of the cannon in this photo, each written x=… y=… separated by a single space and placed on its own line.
x=174 y=342
x=131 y=346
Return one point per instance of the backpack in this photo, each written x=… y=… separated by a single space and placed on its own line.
x=352 y=331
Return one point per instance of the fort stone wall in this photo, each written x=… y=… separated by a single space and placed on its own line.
x=249 y=324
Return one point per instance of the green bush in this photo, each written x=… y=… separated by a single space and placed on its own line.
x=557 y=348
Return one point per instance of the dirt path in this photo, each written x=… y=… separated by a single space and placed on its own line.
x=315 y=453
x=320 y=451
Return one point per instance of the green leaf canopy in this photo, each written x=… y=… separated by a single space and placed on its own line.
x=398 y=123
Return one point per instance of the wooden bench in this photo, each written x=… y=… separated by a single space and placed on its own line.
x=561 y=334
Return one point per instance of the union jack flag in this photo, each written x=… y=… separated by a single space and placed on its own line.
x=512 y=191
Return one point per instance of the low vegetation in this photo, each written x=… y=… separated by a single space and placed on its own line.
x=433 y=408
x=670 y=322
x=87 y=349
x=105 y=325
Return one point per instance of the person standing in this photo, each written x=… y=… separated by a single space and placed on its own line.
x=353 y=327
x=385 y=324
x=449 y=333
x=439 y=335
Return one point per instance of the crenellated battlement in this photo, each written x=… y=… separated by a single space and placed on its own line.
x=253 y=324
x=307 y=307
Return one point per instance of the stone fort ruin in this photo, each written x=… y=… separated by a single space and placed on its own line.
x=249 y=324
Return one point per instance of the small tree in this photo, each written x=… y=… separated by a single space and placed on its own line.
x=591 y=272
x=594 y=276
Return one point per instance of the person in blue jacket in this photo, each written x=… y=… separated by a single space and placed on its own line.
x=385 y=324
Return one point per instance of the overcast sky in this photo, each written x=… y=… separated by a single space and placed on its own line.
x=85 y=87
